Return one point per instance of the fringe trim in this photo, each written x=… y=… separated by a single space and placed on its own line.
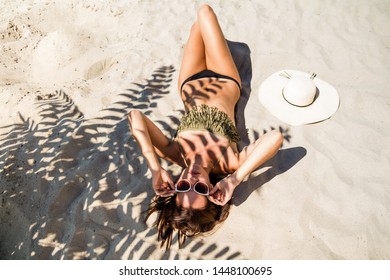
x=211 y=119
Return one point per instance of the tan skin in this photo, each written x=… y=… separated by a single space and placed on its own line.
x=206 y=49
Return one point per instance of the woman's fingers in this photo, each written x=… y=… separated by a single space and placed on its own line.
x=216 y=201
x=213 y=200
x=214 y=189
x=165 y=193
x=171 y=184
x=165 y=190
x=216 y=196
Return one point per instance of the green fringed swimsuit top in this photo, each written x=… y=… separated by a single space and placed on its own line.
x=204 y=117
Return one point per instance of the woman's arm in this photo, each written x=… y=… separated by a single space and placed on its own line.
x=153 y=143
x=253 y=156
x=250 y=158
x=148 y=136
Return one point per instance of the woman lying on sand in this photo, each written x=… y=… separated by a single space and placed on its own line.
x=206 y=139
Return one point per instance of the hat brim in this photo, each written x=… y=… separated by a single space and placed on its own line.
x=324 y=106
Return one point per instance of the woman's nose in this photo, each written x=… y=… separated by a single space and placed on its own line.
x=193 y=180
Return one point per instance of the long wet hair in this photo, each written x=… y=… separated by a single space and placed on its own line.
x=188 y=222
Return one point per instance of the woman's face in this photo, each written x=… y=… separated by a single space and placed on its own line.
x=193 y=173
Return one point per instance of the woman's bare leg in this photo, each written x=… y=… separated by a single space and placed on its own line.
x=194 y=59
x=218 y=56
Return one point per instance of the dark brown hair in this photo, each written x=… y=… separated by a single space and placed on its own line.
x=188 y=222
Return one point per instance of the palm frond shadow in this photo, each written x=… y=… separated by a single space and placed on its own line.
x=74 y=188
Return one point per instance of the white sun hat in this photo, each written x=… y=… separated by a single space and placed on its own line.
x=298 y=98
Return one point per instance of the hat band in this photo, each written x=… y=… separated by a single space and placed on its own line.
x=300 y=106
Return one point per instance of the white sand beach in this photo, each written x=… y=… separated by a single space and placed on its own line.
x=73 y=183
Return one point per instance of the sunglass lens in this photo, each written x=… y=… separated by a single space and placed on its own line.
x=201 y=188
x=183 y=186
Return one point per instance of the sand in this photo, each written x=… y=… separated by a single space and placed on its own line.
x=73 y=183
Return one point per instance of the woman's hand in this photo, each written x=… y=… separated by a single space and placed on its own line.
x=163 y=183
x=252 y=157
x=222 y=192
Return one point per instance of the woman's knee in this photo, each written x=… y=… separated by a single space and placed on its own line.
x=204 y=11
x=133 y=115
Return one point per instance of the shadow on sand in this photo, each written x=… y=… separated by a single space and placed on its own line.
x=75 y=188
x=280 y=163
